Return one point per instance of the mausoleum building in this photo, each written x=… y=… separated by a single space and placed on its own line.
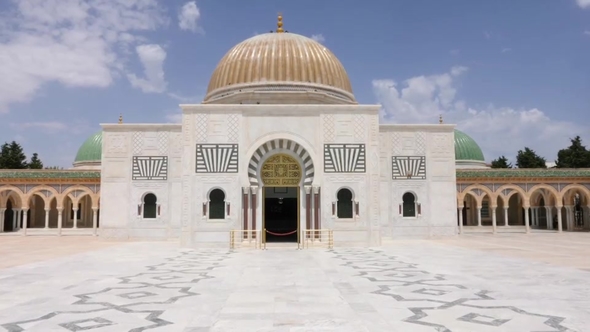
x=280 y=148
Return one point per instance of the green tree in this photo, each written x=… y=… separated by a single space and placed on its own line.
x=501 y=162
x=12 y=156
x=575 y=156
x=54 y=167
x=528 y=158
x=35 y=162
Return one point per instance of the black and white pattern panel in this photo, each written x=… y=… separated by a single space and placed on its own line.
x=344 y=158
x=438 y=301
x=150 y=168
x=217 y=158
x=135 y=302
x=408 y=168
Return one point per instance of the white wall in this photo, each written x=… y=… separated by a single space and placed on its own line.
x=436 y=194
x=121 y=195
x=250 y=126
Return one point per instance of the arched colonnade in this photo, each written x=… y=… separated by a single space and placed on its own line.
x=43 y=209
x=538 y=206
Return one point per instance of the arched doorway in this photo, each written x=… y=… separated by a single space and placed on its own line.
x=281 y=178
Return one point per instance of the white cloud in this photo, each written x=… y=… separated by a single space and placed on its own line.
x=49 y=127
x=189 y=16
x=185 y=99
x=319 y=38
x=152 y=58
x=583 y=3
x=498 y=130
x=455 y=52
x=506 y=50
x=77 y=43
x=587 y=32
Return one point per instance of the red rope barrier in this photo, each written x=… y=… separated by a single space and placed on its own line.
x=281 y=234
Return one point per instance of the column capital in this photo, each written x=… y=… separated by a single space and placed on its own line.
x=245 y=190
x=94 y=208
x=316 y=189
x=307 y=189
x=254 y=189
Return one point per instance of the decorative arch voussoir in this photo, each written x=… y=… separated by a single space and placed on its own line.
x=283 y=144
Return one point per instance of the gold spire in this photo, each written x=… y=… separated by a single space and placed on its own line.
x=440 y=119
x=280 y=24
x=120 y=118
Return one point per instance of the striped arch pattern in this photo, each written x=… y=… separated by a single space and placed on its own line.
x=280 y=143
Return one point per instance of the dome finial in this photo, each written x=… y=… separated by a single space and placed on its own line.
x=440 y=119
x=120 y=118
x=280 y=23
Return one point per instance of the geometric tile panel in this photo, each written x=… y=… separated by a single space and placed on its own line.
x=137 y=142
x=483 y=320
x=150 y=168
x=87 y=324
x=136 y=295
x=433 y=301
x=408 y=168
x=134 y=302
x=163 y=137
x=344 y=158
x=217 y=158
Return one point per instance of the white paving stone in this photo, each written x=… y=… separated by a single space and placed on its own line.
x=417 y=286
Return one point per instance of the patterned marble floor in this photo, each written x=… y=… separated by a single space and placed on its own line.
x=412 y=286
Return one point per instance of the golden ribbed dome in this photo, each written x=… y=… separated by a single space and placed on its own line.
x=280 y=63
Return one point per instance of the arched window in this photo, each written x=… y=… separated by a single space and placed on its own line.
x=409 y=206
x=150 y=206
x=344 y=203
x=216 y=204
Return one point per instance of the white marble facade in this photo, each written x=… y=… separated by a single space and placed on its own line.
x=224 y=146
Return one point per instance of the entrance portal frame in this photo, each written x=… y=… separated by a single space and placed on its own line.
x=281 y=170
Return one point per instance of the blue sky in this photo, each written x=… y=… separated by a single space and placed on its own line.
x=509 y=73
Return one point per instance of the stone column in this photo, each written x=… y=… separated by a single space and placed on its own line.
x=559 y=223
x=308 y=224
x=2 y=216
x=494 y=223
x=506 y=223
x=549 y=212
x=94 y=220
x=25 y=217
x=460 y=210
x=527 y=226
x=535 y=213
x=254 y=191
x=317 y=208
x=60 y=220
x=245 y=211
x=75 y=217
x=47 y=218
x=15 y=213
x=479 y=216
x=19 y=219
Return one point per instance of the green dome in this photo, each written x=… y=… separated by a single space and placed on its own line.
x=466 y=148
x=91 y=150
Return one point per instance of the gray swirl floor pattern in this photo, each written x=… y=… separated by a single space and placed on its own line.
x=415 y=287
